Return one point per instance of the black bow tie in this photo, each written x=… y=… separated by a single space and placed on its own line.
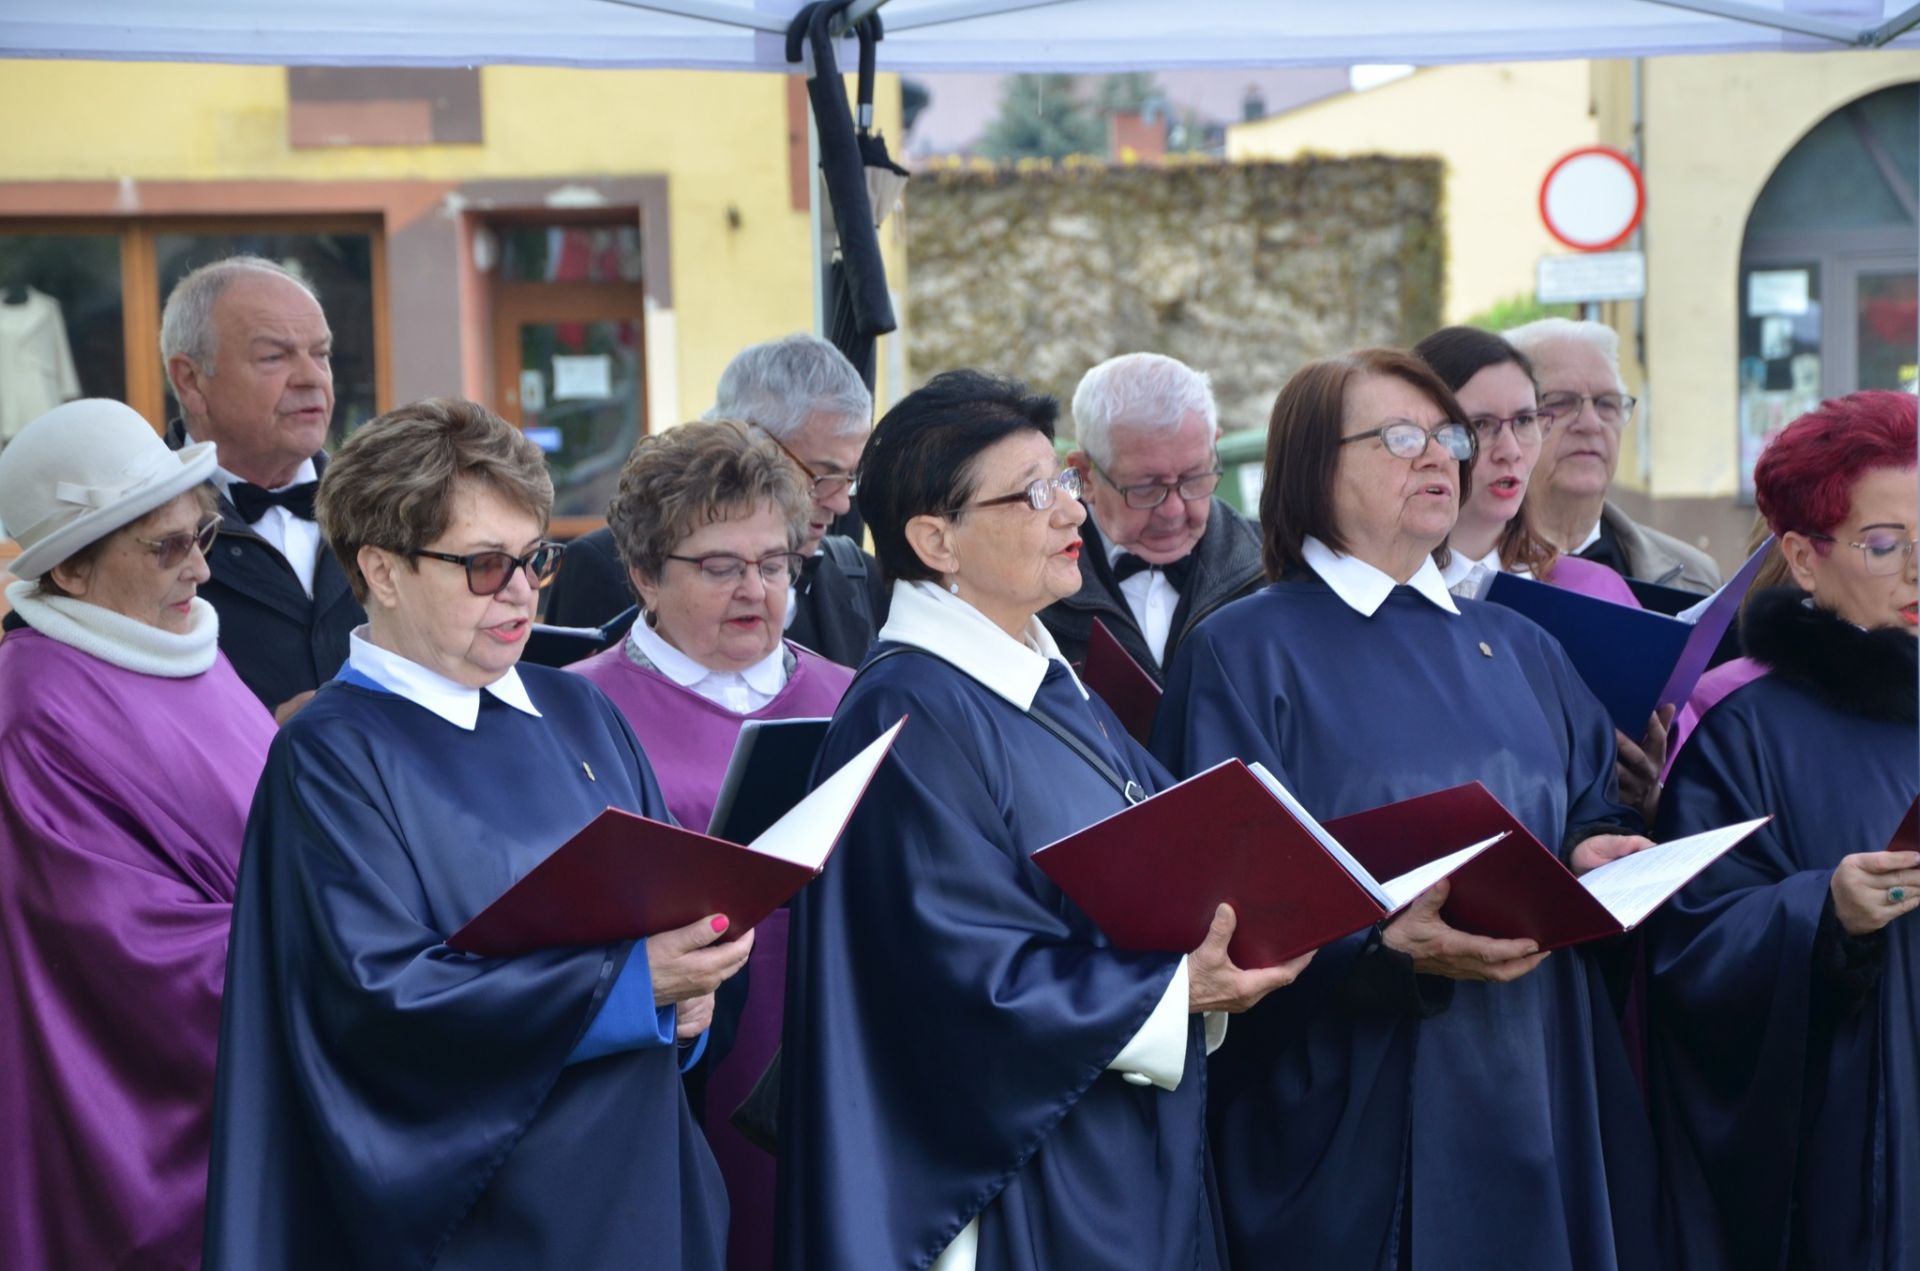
x=1176 y=571
x=252 y=502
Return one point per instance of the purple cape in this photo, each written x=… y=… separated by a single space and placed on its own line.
x=1590 y=579
x=125 y=798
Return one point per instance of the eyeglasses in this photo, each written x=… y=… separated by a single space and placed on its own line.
x=490 y=573
x=1611 y=409
x=1527 y=426
x=824 y=486
x=1882 y=552
x=1405 y=439
x=1151 y=494
x=1038 y=493
x=723 y=569
x=170 y=551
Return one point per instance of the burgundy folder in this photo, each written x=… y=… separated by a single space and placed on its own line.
x=1121 y=682
x=1517 y=889
x=1907 y=837
x=625 y=876
x=1151 y=876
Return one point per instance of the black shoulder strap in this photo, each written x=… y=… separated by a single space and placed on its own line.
x=1131 y=791
x=846 y=554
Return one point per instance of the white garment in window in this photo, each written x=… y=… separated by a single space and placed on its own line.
x=36 y=365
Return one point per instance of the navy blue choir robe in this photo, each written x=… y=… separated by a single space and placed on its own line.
x=1506 y=1114
x=384 y=1101
x=1786 y=1055
x=951 y=1014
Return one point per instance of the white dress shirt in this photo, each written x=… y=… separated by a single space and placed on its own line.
x=741 y=692
x=451 y=700
x=1365 y=588
x=296 y=539
x=1153 y=599
x=929 y=617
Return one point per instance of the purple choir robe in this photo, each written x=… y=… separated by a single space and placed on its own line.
x=689 y=740
x=1590 y=579
x=123 y=800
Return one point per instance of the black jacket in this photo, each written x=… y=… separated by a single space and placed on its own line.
x=1226 y=567
x=840 y=606
x=281 y=641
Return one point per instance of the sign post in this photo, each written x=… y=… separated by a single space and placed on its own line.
x=1592 y=200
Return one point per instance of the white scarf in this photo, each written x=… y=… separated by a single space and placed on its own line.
x=116 y=639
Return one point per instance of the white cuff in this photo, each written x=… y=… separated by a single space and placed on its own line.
x=1157 y=1054
x=1216 y=1029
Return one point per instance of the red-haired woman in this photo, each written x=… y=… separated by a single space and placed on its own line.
x=1786 y=979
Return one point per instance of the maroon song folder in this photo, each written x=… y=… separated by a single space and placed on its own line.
x=1121 y=682
x=625 y=876
x=1518 y=889
x=1151 y=876
x=1907 y=837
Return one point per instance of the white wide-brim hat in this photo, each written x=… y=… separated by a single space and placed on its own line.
x=83 y=470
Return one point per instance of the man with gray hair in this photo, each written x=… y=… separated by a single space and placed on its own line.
x=804 y=394
x=248 y=356
x=1576 y=366
x=1161 y=552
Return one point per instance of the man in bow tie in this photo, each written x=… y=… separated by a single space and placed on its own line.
x=247 y=352
x=804 y=394
x=1161 y=553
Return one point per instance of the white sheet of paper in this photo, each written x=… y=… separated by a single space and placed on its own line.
x=1634 y=886
x=1402 y=891
x=807 y=833
x=582 y=378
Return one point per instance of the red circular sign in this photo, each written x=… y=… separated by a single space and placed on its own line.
x=1593 y=198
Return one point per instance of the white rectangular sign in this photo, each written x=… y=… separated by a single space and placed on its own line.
x=1591 y=277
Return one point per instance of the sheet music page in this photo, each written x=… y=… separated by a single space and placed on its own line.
x=807 y=833
x=1402 y=891
x=1326 y=840
x=1634 y=886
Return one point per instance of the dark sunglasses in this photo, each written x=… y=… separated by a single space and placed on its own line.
x=489 y=573
x=171 y=551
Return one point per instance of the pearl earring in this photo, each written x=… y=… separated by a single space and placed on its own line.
x=954 y=588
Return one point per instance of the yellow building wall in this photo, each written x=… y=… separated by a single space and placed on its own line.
x=720 y=139
x=1497 y=127
x=1715 y=128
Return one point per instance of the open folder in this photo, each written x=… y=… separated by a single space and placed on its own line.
x=625 y=876
x=1152 y=875
x=768 y=774
x=1122 y=683
x=1634 y=660
x=1518 y=889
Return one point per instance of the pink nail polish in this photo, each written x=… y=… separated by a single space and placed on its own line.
x=719 y=923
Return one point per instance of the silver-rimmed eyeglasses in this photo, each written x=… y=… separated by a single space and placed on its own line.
x=724 y=569
x=1528 y=427
x=1037 y=494
x=1883 y=552
x=1151 y=494
x=1611 y=409
x=1405 y=439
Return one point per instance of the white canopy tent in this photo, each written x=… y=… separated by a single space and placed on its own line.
x=940 y=35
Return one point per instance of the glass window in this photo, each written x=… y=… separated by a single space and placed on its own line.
x=1884 y=345
x=580 y=400
x=1780 y=350
x=569 y=253
x=338 y=266
x=62 y=332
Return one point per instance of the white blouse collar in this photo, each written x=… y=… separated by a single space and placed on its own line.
x=927 y=616
x=449 y=699
x=1365 y=588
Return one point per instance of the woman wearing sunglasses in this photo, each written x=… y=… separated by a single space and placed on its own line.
x=1785 y=1006
x=1424 y=1096
x=382 y=1099
x=974 y=1076
x=128 y=754
x=710 y=519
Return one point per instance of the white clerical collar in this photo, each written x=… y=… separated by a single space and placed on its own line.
x=306 y=472
x=766 y=677
x=449 y=699
x=928 y=616
x=1365 y=588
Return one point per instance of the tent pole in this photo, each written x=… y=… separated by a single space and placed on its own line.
x=957 y=10
x=1893 y=28
x=710 y=11
x=819 y=226
x=1736 y=11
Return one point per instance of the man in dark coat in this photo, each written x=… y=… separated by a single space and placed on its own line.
x=1161 y=552
x=811 y=401
x=248 y=351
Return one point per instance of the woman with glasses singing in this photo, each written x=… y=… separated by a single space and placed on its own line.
x=382 y=1099
x=1424 y=1096
x=128 y=754
x=974 y=1077
x=1786 y=980
x=709 y=519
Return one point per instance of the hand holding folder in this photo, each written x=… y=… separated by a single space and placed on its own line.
x=1152 y=876
x=624 y=876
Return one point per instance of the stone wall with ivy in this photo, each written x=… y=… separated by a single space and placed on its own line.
x=1243 y=270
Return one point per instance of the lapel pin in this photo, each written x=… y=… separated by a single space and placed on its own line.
x=1486 y=650
x=588 y=768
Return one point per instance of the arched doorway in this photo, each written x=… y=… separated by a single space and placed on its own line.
x=1828 y=268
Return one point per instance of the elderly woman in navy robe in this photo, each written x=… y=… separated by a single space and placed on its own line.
x=1786 y=979
x=974 y=1077
x=1423 y=1097
x=383 y=1100
x=128 y=754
